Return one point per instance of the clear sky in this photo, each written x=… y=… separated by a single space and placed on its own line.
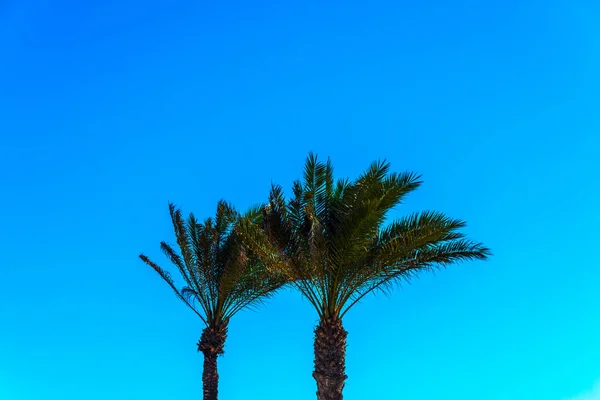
x=110 y=109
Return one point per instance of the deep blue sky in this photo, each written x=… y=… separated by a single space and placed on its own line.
x=110 y=110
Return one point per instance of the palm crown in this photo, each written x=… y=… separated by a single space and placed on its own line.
x=221 y=275
x=331 y=239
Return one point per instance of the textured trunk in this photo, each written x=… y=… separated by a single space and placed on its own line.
x=210 y=377
x=211 y=344
x=330 y=359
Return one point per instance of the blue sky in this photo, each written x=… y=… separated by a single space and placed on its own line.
x=109 y=110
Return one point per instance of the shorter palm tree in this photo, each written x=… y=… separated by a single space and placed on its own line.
x=221 y=278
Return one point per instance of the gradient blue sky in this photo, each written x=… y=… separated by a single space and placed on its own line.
x=108 y=110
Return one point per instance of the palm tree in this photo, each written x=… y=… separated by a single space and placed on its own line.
x=221 y=278
x=332 y=240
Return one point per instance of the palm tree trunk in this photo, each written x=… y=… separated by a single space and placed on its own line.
x=211 y=344
x=210 y=377
x=330 y=358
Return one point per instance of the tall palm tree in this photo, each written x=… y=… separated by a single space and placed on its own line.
x=221 y=278
x=332 y=240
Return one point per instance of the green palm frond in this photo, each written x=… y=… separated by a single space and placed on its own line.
x=167 y=278
x=384 y=270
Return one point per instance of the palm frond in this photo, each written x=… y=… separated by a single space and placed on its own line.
x=167 y=278
x=425 y=258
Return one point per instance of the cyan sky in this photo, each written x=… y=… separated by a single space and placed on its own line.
x=108 y=110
